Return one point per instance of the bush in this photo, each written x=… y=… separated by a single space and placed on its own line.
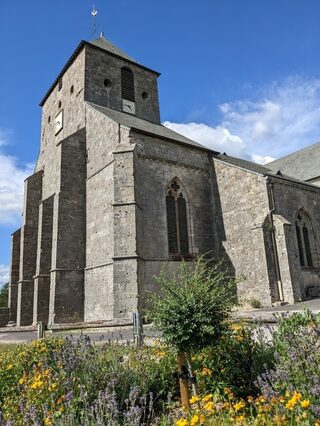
x=297 y=359
x=193 y=304
x=235 y=362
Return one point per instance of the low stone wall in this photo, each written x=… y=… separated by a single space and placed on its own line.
x=4 y=316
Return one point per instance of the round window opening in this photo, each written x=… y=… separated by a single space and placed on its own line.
x=71 y=89
x=107 y=83
x=144 y=95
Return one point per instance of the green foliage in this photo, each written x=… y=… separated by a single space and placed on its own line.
x=255 y=303
x=4 y=295
x=297 y=358
x=54 y=378
x=193 y=304
x=234 y=362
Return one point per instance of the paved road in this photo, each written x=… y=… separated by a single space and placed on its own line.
x=122 y=334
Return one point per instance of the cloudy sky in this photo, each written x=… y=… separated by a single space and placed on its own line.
x=239 y=76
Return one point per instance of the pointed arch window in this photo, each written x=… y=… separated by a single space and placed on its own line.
x=127 y=84
x=177 y=219
x=305 y=239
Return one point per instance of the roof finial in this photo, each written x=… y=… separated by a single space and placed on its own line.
x=94 y=13
x=101 y=34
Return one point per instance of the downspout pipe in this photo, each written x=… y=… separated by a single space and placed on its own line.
x=273 y=238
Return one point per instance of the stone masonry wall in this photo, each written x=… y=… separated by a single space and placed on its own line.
x=157 y=162
x=69 y=224
x=101 y=66
x=289 y=198
x=244 y=204
x=103 y=136
x=28 y=249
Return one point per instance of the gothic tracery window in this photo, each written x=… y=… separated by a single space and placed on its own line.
x=305 y=239
x=177 y=220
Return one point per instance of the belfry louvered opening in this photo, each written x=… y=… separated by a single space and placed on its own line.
x=127 y=84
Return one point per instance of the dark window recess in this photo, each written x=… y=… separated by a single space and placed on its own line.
x=183 y=225
x=178 y=240
x=127 y=84
x=59 y=84
x=144 y=95
x=60 y=104
x=172 y=224
x=71 y=89
x=300 y=245
x=307 y=245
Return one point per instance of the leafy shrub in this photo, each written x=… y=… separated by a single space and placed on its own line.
x=297 y=359
x=234 y=362
x=194 y=304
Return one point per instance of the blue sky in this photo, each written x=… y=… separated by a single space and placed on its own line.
x=241 y=76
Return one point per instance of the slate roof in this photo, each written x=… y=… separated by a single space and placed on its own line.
x=102 y=44
x=146 y=127
x=245 y=164
x=105 y=44
x=262 y=170
x=303 y=164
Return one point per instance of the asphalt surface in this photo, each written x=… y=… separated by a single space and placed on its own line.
x=125 y=334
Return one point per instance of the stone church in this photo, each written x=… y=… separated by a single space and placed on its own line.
x=116 y=196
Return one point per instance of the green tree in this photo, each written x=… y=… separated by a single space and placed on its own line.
x=4 y=295
x=193 y=304
x=190 y=311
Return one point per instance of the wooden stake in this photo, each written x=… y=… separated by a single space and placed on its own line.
x=183 y=380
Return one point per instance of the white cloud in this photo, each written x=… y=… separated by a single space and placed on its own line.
x=12 y=177
x=216 y=138
x=283 y=117
x=4 y=274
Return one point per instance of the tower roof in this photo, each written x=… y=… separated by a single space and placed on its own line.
x=100 y=43
x=105 y=44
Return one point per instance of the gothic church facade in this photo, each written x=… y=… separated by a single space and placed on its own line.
x=116 y=196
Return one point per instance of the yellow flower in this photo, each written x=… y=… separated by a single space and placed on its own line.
x=240 y=419
x=250 y=399
x=239 y=405
x=21 y=381
x=207 y=397
x=206 y=372
x=209 y=406
x=61 y=409
x=47 y=421
x=305 y=403
x=182 y=422
x=236 y=327
x=202 y=419
x=10 y=367
x=194 y=399
x=195 y=420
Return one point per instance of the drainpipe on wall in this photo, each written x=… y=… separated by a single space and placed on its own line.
x=273 y=238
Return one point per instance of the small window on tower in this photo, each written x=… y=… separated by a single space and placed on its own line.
x=59 y=84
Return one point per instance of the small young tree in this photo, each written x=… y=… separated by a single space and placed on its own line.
x=4 y=295
x=192 y=306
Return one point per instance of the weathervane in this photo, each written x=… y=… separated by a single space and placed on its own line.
x=94 y=13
